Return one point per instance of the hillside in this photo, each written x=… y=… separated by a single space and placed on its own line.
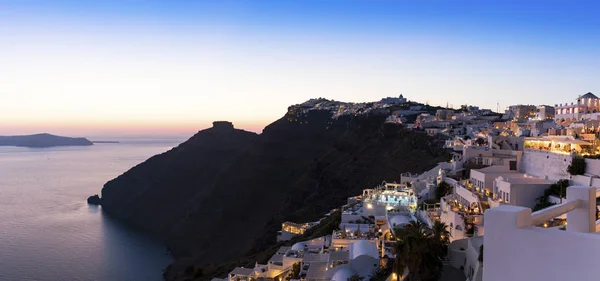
x=223 y=194
x=42 y=140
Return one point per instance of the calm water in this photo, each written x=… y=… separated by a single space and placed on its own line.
x=47 y=230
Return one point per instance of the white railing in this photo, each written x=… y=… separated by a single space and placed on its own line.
x=512 y=237
x=549 y=213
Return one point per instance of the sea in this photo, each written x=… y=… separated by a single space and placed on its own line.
x=48 y=232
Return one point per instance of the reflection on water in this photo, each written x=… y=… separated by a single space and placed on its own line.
x=47 y=230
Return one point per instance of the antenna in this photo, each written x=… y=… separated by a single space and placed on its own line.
x=497 y=107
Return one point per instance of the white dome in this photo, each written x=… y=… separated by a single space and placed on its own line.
x=343 y=274
x=298 y=246
x=363 y=247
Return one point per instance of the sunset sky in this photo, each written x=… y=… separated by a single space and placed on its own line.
x=163 y=67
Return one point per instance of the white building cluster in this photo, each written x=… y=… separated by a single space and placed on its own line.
x=339 y=109
x=358 y=248
x=502 y=170
x=521 y=205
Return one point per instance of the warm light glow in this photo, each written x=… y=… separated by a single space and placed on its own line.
x=73 y=61
x=369 y=206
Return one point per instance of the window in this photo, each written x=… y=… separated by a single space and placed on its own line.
x=513 y=164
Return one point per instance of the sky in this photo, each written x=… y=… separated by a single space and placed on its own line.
x=168 y=67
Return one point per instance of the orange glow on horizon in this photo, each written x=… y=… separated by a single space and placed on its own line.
x=84 y=128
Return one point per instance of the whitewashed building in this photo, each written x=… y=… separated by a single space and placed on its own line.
x=516 y=247
x=586 y=104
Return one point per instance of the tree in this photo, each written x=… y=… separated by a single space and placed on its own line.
x=441 y=235
x=442 y=190
x=355 y=277
x=541 y=203
x=382 y=273
x=295 y=272
x=577 y=166
x=559 y=188
x=418 y=251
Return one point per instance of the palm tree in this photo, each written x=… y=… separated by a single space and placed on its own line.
x=441 y=235
x=418 y=251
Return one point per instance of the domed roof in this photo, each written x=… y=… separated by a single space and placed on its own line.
x=363 y=247
x=343 y=273
x=298 y=246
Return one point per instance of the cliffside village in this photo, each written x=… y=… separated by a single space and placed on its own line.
x=521 y=186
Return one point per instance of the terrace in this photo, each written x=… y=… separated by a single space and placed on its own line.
x=514 y=239
x=560 y=145
x=457 y=204
x=296 y=228
x=366 y=234
x=390 y=195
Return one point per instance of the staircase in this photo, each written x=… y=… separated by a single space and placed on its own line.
x=449 y=273
x=446 y=262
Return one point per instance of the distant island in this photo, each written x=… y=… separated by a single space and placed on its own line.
x=42 y=140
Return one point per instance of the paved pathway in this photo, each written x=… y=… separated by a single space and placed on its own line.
x=449 y=273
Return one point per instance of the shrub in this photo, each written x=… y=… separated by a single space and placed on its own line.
x=295 y=272
x=199 y=273
x=442 y=190
x=355 y=277
x=577 y=166
x=559 y=188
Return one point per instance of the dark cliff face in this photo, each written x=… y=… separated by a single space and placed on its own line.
x=159 y=193
x=223 y=194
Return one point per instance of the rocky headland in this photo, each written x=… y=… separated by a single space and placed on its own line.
x=223 y=194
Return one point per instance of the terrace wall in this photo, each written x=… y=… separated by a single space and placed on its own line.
x=546 y=165
x=517 y=250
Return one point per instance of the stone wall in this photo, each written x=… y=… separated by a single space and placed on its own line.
x=546 y=165
x=592 y=166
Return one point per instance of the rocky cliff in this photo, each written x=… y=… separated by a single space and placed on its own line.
x=223 y=194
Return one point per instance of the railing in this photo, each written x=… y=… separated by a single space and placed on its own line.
x=512 y=235
x=549 y=213
x=547 y=151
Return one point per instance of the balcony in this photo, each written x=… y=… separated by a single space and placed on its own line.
x=514 y=240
